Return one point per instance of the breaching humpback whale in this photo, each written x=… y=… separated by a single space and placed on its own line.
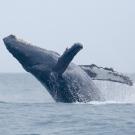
x=64 y=80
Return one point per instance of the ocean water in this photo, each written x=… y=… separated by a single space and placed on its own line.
x=27 y=109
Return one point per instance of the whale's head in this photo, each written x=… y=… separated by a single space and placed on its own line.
x=33 y=59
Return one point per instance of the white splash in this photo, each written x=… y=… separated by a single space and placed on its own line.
x=116 y=92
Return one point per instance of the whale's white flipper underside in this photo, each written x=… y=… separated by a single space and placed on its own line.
x=106 y=74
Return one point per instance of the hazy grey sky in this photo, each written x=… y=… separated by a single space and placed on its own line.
x=106 y=28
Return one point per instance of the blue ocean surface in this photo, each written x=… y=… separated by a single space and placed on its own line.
x=27 y=109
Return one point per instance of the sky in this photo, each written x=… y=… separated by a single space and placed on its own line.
x=106 y=28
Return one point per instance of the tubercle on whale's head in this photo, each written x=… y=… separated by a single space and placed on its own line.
x=10 y=41
x=9 y=38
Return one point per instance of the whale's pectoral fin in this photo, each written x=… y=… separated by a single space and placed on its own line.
x=106 y=74
x=65 y=59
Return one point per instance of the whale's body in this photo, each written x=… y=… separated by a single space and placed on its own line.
x=65 y=81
